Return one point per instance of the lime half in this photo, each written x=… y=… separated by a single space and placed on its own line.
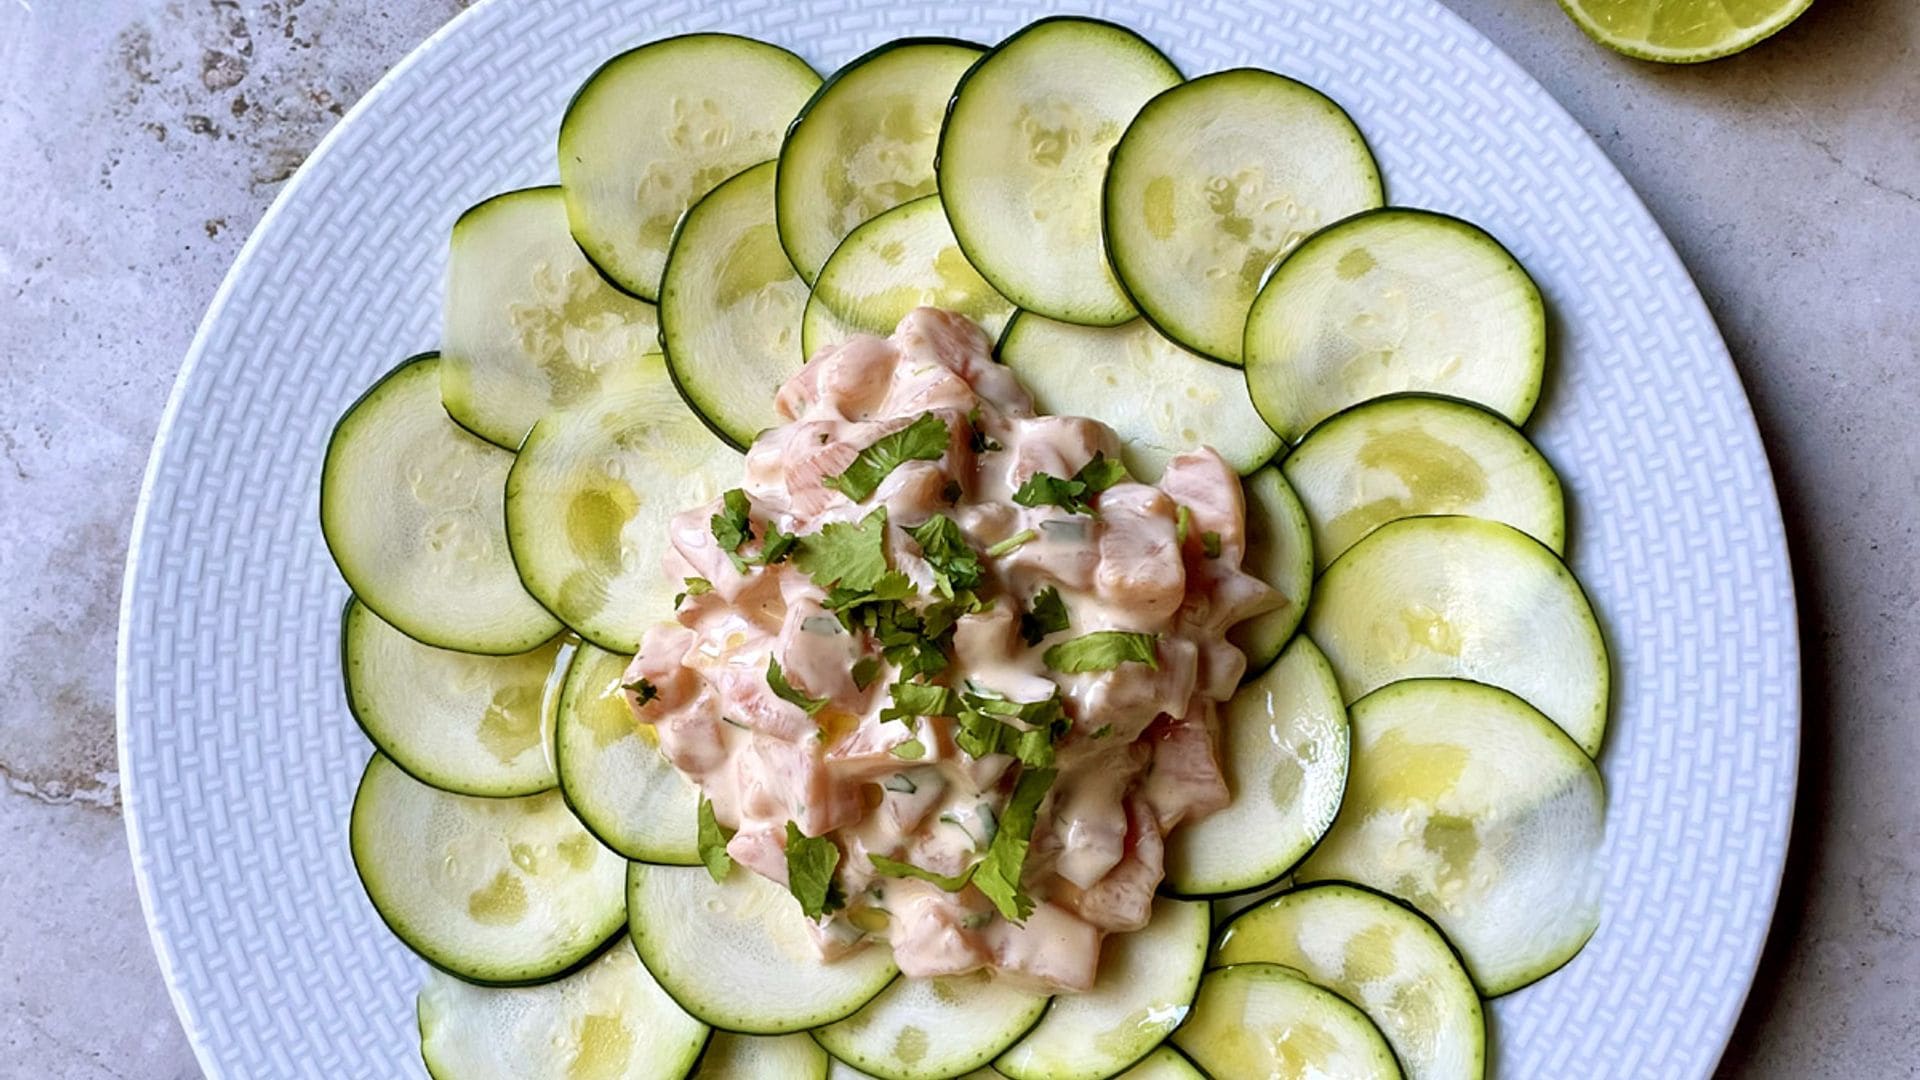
x=1682 y=31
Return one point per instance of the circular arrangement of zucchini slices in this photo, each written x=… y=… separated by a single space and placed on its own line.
x=657 y=128
x=1216 y=179
x=1414 y=812
x=1391 y=301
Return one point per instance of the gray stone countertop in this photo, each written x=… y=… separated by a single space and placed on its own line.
x=141 y=139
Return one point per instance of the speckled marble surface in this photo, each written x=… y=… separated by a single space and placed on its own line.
x=140 y=140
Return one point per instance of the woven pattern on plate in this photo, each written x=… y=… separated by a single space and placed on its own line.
x=238 y=756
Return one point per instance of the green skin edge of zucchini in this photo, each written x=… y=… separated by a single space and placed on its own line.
x=1541 y=347
x=814 y=1034
x=828 y=84
x=559 y=770
x=1106 y=235
x=592 y=953
x=940 y=145
x=701 y=1059
x=575 y=100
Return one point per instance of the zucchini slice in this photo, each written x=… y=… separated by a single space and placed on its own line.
x=1214 y=181
x=903 y=259
x=1264 y=1020
x=1023 y=154
x=930 y=1029
x=1470 y=805
x=1166 y=1063
x=1285 y=747
x=609 y=1020
x=864 y=143
x=1413 y=456
x=1381 y=955
x=840 y=1070
x=736 y=954
x=820 y=328
x=590 y=496
x=410 y=507
x=1146 y=981
x=1390 y=301
x=473 y=725
x=762 y=1057
x=1459 y=597
x=730 y=308
x=1161 y=399
x=656 y=128
x=619 y=784
x=1280 y=553
x=529 y=325
x=497 y=891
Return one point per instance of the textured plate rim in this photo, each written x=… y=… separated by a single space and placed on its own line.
x=1790 y=728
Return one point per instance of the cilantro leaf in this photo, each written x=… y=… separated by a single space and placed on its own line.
x=955 y=566
x=865 y=670
x=923 y=440
x=1071 y=495
x=777 y=547
x=784 y=690
x=846 y=555
x=983 y=727
x=697 y=586
x=732 y=526
x=713 y=839
x=810 y=864
x=1182 y=521
x=1046 y=615
x=896 y=868
x=643 y=691
x=998 y=875
x=911 y=750
x=1210 y=543
x=1102 y=731
x=911 y=699
x=1102 y=650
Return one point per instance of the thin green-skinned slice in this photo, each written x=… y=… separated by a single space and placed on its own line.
x=1467 y=803
x=820 y=328
x=1394 y=301
x=1161 y=399
x=410 y=505
x=1460 y=597
x=1280 y=553
x=762 y=1057
x=1145 y=983
x=466 y=723
x=730 y=308
x=590 y=497
x=903 y=259
x=1265 y=1020
x=502 y=892
x=619 y=784
x=529 y=325
x=609 y=1020
x=1166 y=1063
x=1381 y=955
x=865 y=143
x=1214 y=181
x=1024 y=152
x=1415 y=456
x=1284 y=741
x=930 y=1029
x=658 y=127
x=737 y=955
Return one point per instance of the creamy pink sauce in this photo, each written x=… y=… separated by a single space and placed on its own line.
x=1140 y=756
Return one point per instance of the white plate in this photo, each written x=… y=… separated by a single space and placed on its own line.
x=237 y=752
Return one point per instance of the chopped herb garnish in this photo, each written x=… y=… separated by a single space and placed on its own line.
x=784 y=690
x=733 y=525
x=1012 y=543
x=695 y=586
x=1047 y=614
x=1102 y=650
x=1182 y=521
x=911 y=750
x=977 y=439
x=1210 y=543
x=712 y=838
x=911 y=699
x=643 y=691
x=865 y=670
x=923 y=440
x=974 y=920
x=998 y=875
x=777 y=547
x=1102 y=731
x=811 y=861
x=846 y=555
x=1073 y=494
x=983 y=727
x=896 y=868
x=955 y=566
